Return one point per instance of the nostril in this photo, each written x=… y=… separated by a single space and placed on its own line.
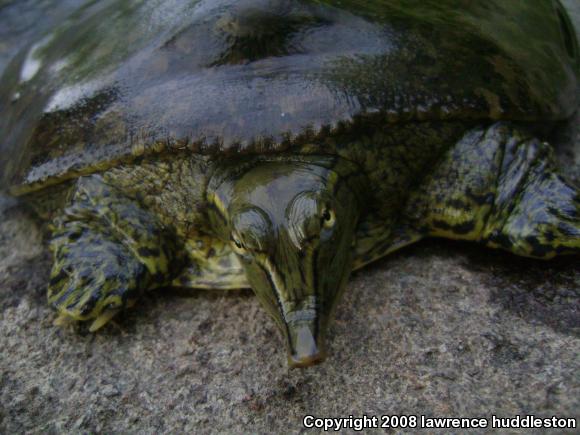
x=303 y=315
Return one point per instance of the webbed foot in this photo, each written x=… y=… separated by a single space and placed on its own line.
x=107 y=252
x=542 y=221
x=535 y=212
x=500 y=186
x=94 y=278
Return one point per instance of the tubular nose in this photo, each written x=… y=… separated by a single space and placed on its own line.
x=306 y=348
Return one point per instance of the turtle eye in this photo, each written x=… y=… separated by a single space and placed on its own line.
x=237 y=245
x=328 y=218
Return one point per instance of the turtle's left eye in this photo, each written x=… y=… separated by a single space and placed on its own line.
x=328 y=218
x=237 y=245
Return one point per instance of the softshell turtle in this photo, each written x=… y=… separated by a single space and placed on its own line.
x=279 y=145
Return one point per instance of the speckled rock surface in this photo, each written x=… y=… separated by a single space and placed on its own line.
x=441 y=329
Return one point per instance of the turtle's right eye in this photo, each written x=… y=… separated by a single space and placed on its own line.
x=328 y=218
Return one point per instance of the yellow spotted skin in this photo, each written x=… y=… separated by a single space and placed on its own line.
x=499 y=186
x=169 y=220
x=107 y=251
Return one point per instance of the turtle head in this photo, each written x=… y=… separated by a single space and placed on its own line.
x=292 y=225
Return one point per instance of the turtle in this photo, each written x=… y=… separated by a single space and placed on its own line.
x=281 y=144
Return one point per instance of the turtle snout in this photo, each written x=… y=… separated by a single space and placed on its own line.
x=305 y=343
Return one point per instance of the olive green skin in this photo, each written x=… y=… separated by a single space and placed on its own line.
x=281 y=144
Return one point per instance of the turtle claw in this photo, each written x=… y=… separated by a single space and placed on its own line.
x=97 y=290
x=103 y=319
x=64 y=320
x=107 y=252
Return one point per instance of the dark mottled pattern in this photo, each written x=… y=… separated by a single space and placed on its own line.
x=122 y=78
x=190 y=220
x=499 y=186
x=536 y=212
x=107 y=251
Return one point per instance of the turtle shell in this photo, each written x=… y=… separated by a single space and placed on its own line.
x=119 y=79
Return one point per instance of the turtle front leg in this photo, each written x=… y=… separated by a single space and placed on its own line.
x=107 y=252
x=500 y=186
